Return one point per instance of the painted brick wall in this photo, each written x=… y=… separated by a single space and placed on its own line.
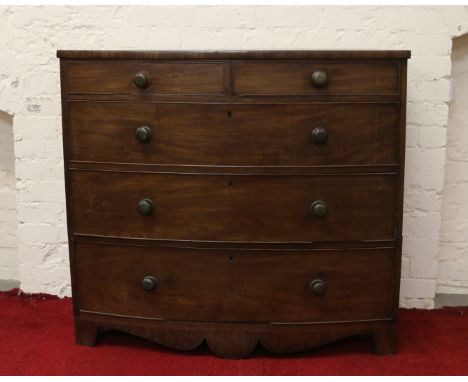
x=8 y=246
x=29 y=90
x=453 y=253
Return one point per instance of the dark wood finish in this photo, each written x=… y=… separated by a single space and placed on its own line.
x=232 y=134
x=116 y=77
x=67 y=173
x=239 y=340
x=234 y=208
x=230 y=98
x=236 y=55
x=295 y=78
x=86 y=332
x=400 y=201
x=246 y=246
x=385 y=339
x=357 y=284
x=229 y=252
x=389 y=169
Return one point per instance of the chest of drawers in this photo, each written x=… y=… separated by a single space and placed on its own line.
x=237 y=198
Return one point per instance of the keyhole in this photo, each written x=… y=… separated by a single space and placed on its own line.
x=230 y=183
x=229 y=113
x=231 y=259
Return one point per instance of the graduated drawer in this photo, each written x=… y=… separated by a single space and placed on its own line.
x=234 y=208
x=234 y=285
x=230 y=134
x=118 y=77
x=315 y=78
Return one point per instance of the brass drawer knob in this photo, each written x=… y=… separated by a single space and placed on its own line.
x=145 y=206
x=319 y=78
x=319 y=135
x=149 y=283
x=143 y=134
x=141 y=80
x=318 y=208
x=318 y=287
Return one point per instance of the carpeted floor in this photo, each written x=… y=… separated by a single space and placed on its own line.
x=36 y=338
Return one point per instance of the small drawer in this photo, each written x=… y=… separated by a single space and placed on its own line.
x=145 y=77
x=234 y=135
x=234 y=285
x=239 y=208
x=315 y=78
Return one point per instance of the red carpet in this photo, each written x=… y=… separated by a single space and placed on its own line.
x=36 y=338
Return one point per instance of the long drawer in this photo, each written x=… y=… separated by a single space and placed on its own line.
x=234 y=285
x=238 y=135
x=234 y=207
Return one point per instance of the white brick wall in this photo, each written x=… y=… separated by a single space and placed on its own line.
x=453 y=251
x=8 y=244
x=29 y=89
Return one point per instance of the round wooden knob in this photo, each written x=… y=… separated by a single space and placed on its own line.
x=318 y=208
x=318 y=287
x=141 y=80
x=143 y=134
x=319 y=135
x=319 y=78
x=149 y=283
x=145 y=206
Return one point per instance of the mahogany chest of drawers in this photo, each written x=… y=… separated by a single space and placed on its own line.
x=237 y=198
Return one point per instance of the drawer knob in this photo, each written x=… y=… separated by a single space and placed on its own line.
x=319 y=78
x=319 y=135
x=318 y=208
x=141 y=80
x=143 y=134
x=145 y=206
x=318 y=287
x=149 y=283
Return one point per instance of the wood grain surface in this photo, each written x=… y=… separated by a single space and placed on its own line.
x=232 y=170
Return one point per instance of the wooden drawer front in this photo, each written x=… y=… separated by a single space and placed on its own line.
x=116 y=77
x=234 y=285
x=234 y=208
x=217 y=134
x=295 y=78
